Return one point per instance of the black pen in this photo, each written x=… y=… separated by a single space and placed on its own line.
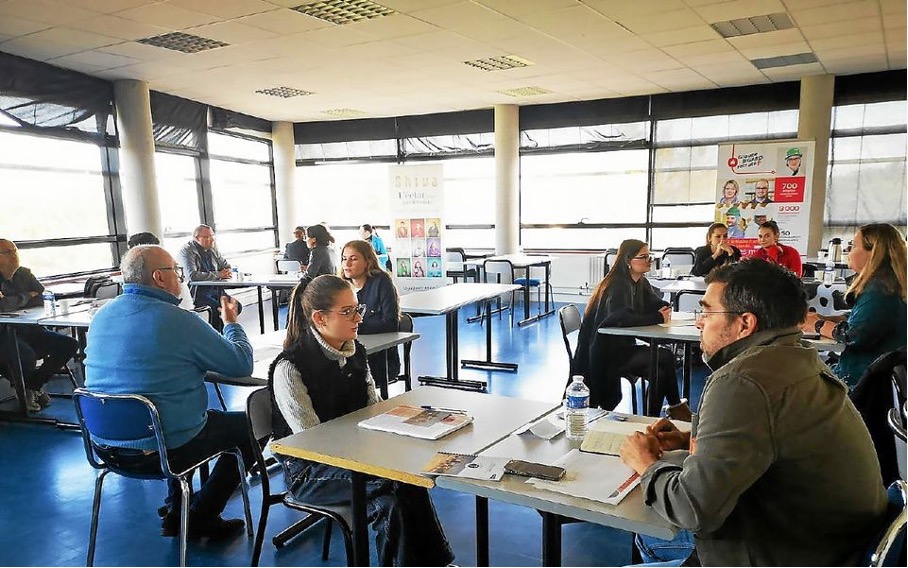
x=443 y=409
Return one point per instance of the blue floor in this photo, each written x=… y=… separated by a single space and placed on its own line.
x=48 y=484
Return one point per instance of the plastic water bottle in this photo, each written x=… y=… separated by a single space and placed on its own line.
x=237 y=275
x=829 y=272
x=576 y=405
x=50 y=303
x=666 y=268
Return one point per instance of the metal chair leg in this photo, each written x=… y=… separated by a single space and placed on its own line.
x=326 y=544
x=184 y=519
x=244 y=487
x=95 y=513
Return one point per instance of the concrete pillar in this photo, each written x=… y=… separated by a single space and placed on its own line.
x=137 y=171
x=507 y=179
x=284 y=171
x=813 y=124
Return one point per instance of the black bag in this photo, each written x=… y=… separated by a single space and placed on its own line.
x=95 y=282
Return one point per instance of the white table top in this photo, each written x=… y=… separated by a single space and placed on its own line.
x=631 y=514
x=518 y=260
x=341 y=443
x=686 y=331
x=449 y=298
x=688 y=285
x=273 y=280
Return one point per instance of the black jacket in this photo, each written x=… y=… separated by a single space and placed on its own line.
x=704 y=261
x=624 y=303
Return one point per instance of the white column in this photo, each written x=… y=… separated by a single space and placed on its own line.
x=507 y=179
x=814 y=124
x=284 y=172
x=137 y=172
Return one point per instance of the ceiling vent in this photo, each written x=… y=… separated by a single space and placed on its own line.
x=754 y=25
x=344 y=112
x=525 y=92
x=342 y=12
x=186 y=43
x=284 y=92
x=499 y=63
x=784 y=60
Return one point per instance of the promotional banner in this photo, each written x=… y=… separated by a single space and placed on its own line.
x=765 y=181
x=417 y=206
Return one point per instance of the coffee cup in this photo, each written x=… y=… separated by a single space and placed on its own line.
x=63 y=307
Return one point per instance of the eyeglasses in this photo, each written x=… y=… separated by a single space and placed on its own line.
x=644 y=257
x=178 y=270
x=349 y=313
x=761 y=187
x=700 y=314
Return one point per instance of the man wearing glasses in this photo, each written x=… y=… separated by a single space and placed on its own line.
x=20 y=289
x=776 y=447
x=202 y=262
x=761 y=195
x=141 y=342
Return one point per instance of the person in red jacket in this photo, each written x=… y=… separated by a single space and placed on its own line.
x=772 y=251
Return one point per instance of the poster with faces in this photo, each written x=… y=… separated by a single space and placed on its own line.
x=417 y=207
x=765 y=181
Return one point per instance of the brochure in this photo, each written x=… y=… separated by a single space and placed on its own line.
x=466 y=465
x=429 y=424
x=599 y=478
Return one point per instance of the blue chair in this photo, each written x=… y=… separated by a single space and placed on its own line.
x=888 y=549
x=131 y=417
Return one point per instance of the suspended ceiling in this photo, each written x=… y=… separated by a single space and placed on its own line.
x=412 y=61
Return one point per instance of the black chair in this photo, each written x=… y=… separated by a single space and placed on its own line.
x=896 y=421
x=132 y=417
x=258 y=415
x=610 y=256
x=679 y=256
x=888 y=548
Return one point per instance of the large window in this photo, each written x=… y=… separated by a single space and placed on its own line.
x=47 y=183
x=178 y=192
x=866 y=168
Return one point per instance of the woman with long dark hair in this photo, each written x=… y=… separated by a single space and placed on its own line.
x=322 y=256
x=876 y=323
x=374 y=289
x=624 y=298
x=323 y=374
x=716 y=252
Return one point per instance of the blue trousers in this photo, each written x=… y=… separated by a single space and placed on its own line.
x=660 y=552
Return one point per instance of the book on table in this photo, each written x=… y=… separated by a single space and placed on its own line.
x=418 y=422
x=466 y=465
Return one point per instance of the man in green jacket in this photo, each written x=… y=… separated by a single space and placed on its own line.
x=778 y=468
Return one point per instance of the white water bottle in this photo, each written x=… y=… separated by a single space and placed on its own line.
x=50 y=303
x=666 y=268
x=829 y=272
x=576 y=405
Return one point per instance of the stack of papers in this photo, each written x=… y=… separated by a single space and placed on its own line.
x=417 y=422
x=466 y=465
x=552 y=424
x=599 y=478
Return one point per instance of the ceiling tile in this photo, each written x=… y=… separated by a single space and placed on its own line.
x=794 y=72
x=118 y=27
x=14 y=26
x=284 y=22
x=108 y=6
x=36 y=48
x=893 y=7
x=776 y=50
x=82 y=41
x=767 y=39
x=518 y=8
x=836 y=13
x=231 y=32
x=721 y=12
x=836 y=29
x=48 y=11
x=226 y=9
x=97 y=59
x=393 y=27
x=852 y=40
x=662 y=21
x=167 y=16
x=682 y=36
x=338 y=36
x=455 y=14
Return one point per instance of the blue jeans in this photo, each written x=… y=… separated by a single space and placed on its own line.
x=407 y=529
x=656 y=551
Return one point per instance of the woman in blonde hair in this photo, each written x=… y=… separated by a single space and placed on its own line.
x=876 y=324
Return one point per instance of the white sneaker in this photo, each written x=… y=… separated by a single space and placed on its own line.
x=31 y=401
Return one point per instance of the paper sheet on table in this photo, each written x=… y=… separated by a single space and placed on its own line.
x=551 y=425
x=606 y=436
x=591 y=476
x=680 y=318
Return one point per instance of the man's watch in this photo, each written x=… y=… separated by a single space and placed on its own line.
x=819 y=325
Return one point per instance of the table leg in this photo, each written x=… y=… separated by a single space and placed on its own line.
x=360 y=526
x=383 y=385
x=526 y=294
x=551 y=539
x=688 y=370
x=451 y=360
x=548 y=310
x=18 y=383
x=261 y=310
x=275 y=306
x=488 y=363
x=654 y=373
x=482 y=531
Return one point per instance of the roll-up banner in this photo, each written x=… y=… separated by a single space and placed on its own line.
x=417 y=209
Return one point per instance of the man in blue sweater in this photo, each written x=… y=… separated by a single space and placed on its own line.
x=143 y=343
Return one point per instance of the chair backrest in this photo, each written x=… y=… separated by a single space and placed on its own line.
x=889 y=548
x=897 y=425
x=688 y=300
x=498 y=271
x=823 y=301
x=108 y=290
x=454 y=258
x=610 y=256
x=206 y=313
x=287 y=266
x=92 y=283
x=679 y=256
x=405 y=323
x=258 y=413
x=570 y=319
x=118 y=417
x=898 y=386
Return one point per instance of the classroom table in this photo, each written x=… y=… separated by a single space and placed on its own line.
x=525 y=262
x=631 y=514
x=682 y=329
x=265 y=348
x=447 y=301
x=258 y=281
x=341 y=443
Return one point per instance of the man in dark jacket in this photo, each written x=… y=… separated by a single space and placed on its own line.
x=20 y=289
x=776 y=446
x=298 y=249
